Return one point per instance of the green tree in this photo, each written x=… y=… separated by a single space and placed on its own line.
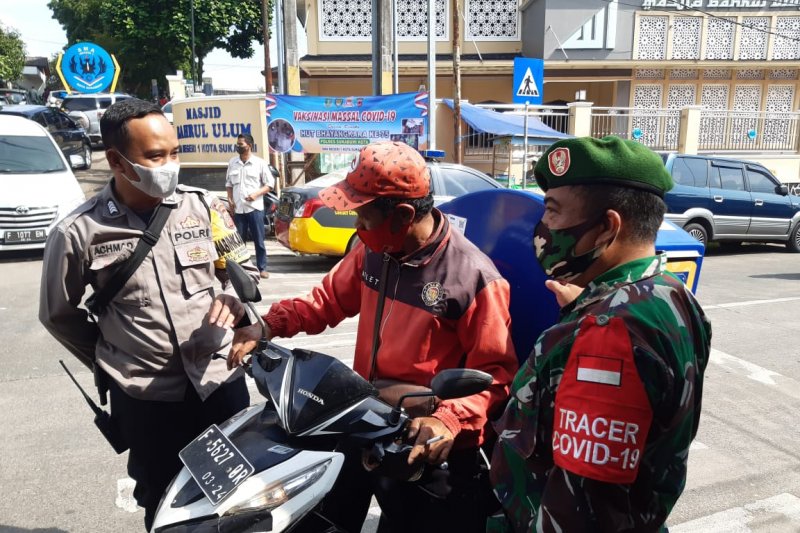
x=12 y=55
x=152 y=38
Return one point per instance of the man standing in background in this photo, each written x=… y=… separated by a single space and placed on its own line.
x=248 y=179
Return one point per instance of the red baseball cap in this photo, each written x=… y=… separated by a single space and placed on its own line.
x=392 y=169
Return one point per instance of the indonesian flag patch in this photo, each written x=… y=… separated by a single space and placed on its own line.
x=602 y=370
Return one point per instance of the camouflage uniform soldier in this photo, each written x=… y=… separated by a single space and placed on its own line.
x=596 y=434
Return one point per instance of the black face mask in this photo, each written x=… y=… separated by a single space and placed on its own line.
x=555 y=249
x=241 y=149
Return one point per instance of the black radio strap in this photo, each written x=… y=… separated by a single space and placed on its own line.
x=98 y=301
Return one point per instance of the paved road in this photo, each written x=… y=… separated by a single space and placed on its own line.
x=58 y=475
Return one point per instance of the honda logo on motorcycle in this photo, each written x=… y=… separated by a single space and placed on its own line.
x=311 y=395
x=22 y=210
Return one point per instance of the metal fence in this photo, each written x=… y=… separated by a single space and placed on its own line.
x=479 y=145
x=659 y=129
x=748 y=130
x=656 y=128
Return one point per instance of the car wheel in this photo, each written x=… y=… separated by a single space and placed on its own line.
x=698 y=231
x=794 y=239
x=87 y=157
x=354 y=240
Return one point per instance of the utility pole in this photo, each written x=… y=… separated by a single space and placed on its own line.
x=267 y=66
x=395 y=56
x=431 y=74
x=292 y=58
x=194 y=68
x=279 y=28
x=457 y=148
x=376 y=47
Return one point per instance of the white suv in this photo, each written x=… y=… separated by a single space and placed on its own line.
x=37 y=187
x=86 y=109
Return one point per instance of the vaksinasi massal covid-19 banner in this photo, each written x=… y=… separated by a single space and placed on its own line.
x=317 y=124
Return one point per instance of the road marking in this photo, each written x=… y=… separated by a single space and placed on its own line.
x=125 y=499
x=751 y=302
x=776 y=381
x=697 y=445
x=736 y=519
x=740 y=366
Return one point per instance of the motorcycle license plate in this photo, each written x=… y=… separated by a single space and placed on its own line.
x=216 y=464
x=27 y=235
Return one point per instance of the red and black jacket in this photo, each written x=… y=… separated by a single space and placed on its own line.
x=446 y=306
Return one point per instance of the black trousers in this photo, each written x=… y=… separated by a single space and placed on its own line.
x=458 y=499
x=157 y=431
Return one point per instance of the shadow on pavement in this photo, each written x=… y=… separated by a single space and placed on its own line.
x=290 y=264
x=18 y=256
x=731 y=249
x=795 y=276
x=12 y=529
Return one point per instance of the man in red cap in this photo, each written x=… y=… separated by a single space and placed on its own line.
x=442 y=304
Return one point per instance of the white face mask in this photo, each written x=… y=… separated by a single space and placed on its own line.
x=158 y=182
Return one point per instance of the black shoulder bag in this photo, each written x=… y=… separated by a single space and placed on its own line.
x=98 y=302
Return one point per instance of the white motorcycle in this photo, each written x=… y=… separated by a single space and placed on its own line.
x=269 y=467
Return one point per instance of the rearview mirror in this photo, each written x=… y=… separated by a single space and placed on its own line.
x=459 y=383
x=783 y=190
x=244 y=285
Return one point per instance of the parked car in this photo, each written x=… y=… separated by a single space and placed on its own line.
x=37 y=186
x=167 y=110
x=719 y=199
x=305 y=225
x=69 y=136
x=15 y=96
x=87 y=109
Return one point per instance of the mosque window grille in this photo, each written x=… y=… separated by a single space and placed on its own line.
x=786 y=44
x=753 y=38
x=652 y=33
x=719 y=39
x=686 y=37
x=492 y=20
x=684 y=74
x=351 y=20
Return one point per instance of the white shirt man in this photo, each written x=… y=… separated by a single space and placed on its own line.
x=248 y=179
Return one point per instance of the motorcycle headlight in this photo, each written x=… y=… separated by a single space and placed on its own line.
x=281 y=491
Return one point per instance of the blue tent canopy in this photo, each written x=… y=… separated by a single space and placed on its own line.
x=488 y=121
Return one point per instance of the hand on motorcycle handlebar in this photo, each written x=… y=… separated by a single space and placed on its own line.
x=423 y=429
x=226 y=310
x=245 y=340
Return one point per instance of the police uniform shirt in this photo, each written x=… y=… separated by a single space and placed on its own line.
x=246 y=177
x=154 y=334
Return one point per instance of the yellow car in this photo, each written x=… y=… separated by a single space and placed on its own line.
x=305 y=225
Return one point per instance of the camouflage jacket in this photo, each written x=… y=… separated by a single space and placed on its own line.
x=596 y=433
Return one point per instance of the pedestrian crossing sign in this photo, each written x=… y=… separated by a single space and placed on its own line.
x=528 y=80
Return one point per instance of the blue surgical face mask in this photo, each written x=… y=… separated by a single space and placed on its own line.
x=157 y=182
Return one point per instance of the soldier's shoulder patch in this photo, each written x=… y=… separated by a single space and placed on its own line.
x=602 y=411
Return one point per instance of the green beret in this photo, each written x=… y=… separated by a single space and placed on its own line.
x=610 y=160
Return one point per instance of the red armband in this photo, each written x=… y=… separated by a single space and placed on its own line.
x=602 y=412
